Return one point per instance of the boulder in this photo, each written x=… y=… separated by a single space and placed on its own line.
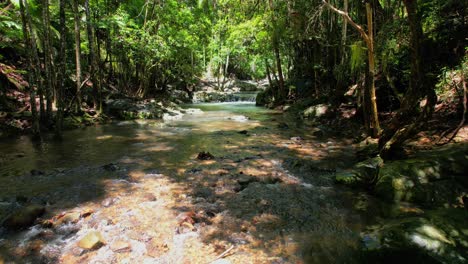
x=128 y=109
x=315 y=111
x=437 y=237
x=432 y=178
x=362 y=174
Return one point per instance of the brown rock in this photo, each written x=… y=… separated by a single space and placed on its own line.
x=150 y=197
x=93 y=240
x=70 y=217
x=205 y=156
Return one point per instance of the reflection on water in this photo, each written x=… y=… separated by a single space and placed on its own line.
x=105 y=143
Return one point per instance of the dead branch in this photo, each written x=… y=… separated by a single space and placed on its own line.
x=222 y=255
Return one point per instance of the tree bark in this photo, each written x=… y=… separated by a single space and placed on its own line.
x=31 y=66
x=77 y=53
x=374 y=126
x=61 y=73
x=281 y=95
x=93 y=61
x=48 y=65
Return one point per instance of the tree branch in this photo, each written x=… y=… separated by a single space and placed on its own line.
x=346 y=16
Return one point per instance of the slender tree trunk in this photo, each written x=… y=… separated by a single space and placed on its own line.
x=281 y=89
x=77 y=53
x=93 y=61
x=226 y=66
x=374 y=126
x=61 y=74
x=49 y=72
x=31 y=71
x=344 y=34
x=267 y=67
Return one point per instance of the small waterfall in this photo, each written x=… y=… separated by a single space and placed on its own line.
x=221 y=97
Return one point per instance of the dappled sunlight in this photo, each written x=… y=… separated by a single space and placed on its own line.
x=265 y=193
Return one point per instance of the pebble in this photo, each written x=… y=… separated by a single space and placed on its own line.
x=92 y=240
x=120 y=246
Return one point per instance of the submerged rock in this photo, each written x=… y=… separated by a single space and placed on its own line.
x=24 y=217
x=92 y=240
x=205 y=156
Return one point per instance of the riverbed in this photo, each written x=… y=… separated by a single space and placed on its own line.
x=265 y=194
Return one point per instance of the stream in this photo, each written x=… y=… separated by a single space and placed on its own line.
x=265 y=196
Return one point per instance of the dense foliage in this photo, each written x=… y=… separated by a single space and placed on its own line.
x=146 y=48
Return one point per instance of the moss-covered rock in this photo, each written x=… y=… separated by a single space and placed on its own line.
x=433 y=178
x=439 y=236
x=362 y=174
x=128 y=109
x=315 y=111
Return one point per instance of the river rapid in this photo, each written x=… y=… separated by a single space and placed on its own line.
x=266 y=196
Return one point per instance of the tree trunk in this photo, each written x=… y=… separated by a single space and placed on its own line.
x=267 y=67
x=226 y=66
x=407 y=122
x=281 y=89
x=93 y=61
x=31 y=66
x=48 y=66
x=373 y=126
x=343 y=34
x=61 y=74
x=77 y=53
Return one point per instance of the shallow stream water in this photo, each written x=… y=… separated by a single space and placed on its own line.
x=268 y=192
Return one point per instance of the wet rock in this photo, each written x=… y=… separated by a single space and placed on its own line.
x=204 y=192
x=70 y=217
x=92 y=240
x=283 y=125
x=430 y=239
x=21 y=199
x=244 y=182
x=318 y=133
x=24 y=217
x=362 y=174
x=121 y=246
x=238 y=118
x=150 y=197
x=108 y=201
x=36 y=172
x=296 y=139
x=432 y=179
x=110 y=167
x=205 y=156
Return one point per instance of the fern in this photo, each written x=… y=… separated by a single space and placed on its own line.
x=358 y=56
